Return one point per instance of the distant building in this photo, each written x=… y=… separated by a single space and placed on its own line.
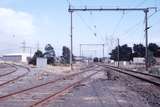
x=139 y=60
x=41 y=62
x=18 y=57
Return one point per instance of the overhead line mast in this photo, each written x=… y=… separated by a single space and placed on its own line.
x=145 y=10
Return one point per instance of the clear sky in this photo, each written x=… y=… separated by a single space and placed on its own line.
x=48 y=21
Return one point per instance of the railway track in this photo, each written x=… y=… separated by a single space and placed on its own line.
x=12 y=74
x=40 y=87
x=8 y=73
x=129 y=70
x=154 y=79
x=62 y=91
x=47 y=83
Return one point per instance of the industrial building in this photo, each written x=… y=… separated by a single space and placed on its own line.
x=17 y=57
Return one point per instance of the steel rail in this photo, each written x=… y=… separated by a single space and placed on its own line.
x=61 y=92
x=2 y=75
x=18 y=77
x=156 y=76
x=142 y=76
x=47 y=83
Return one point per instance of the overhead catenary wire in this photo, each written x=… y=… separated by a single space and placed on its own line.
x=157 y=22
x=88 y=9
x=90 y=28
x=97 y=32
x=154 y=13
x=82 y=19
x=138 y=23
x=118 y=24
x=134 y=26
x=141 y=3
x=114 y=31
x=128 y=30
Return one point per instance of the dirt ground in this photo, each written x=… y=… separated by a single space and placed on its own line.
x=105 y=89
x=101 y=91
x=150 y=93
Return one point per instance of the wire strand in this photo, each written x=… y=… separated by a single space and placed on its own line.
x=118 y=24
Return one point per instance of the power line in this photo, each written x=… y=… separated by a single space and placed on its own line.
x=97 y=30
x=89 y=27
x=117 y=25
x=132 y=28
x=138 y=23
x=145 y=10
x=82 y=19
x=154 y=13
x=157 y=22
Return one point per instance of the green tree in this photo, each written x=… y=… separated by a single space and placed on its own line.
x=154 y=48
x=157 y=53
x=38 y=53
x=66 y=55
x=49 y=54
x=139 y=50
x=125 y=53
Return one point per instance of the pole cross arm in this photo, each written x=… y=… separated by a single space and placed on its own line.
x=111 y=9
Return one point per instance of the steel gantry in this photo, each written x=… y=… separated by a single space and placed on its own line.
x=145 y=10
x=91 y=45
